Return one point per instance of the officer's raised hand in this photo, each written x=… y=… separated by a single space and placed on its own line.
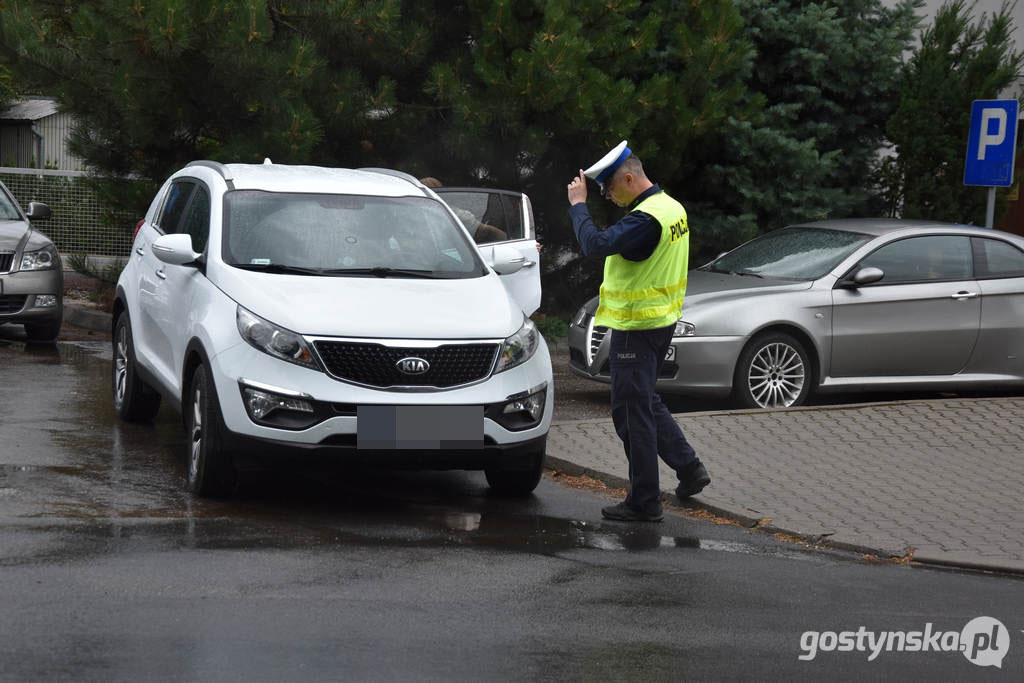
x=578 y=189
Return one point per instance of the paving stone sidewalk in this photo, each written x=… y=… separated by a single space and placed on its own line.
x=942 y=479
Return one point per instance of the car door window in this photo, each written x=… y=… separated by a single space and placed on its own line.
x=174 y=206
x=996 y=258
x=488 y=216
x=197 y=219
x=923 y=259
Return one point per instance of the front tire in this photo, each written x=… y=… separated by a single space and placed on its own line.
x=211 y=471
x=134 y=400
x=43 y=332
x=774 y=371
x=517 y=482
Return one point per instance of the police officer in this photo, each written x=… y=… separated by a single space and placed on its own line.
x=645 y=267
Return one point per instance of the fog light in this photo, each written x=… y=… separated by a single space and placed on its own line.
x=260 y=403
x=519 y=412
x=46 y=300
x=533 y=405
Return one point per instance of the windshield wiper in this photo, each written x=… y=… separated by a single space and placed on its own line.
x=747 y=273
x=279 y=268
x=382 y=271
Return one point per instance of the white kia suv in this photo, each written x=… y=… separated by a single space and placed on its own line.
x=336 y=313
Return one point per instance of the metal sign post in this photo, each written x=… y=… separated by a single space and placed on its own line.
x=991 y=144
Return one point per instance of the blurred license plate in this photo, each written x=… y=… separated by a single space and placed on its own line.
x=419 y=427
x=671 y=353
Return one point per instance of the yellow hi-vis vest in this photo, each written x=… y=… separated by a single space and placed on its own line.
x=644 y=295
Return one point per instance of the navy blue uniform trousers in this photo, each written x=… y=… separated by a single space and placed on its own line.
x=642 y=421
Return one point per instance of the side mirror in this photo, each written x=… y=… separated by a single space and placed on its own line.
x=864 y=276
x=37 y=211
x=504 y=259
x=175 y=249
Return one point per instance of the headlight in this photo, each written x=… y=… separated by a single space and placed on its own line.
x=274 y=340
x=580 y=317
x=518 y=348
x=684 y=329
x=41 y=259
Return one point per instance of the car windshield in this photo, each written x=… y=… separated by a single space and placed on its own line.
x=329 y=234
x=7 y=210
x=790 y=253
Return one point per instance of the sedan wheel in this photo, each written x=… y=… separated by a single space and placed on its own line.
x=773 y=371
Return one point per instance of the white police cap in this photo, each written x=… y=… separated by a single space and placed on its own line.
x=603 y=170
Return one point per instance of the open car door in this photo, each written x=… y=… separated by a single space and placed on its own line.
x=495 y=217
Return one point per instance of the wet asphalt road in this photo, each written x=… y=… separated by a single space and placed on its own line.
x=110 y=571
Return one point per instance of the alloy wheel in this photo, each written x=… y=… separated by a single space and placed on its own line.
x=197 y=431
x=121 y=365
x=776 y=376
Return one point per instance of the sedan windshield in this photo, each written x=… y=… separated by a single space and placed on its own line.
x=325 y=234
x=791 y=253
x=7 y=210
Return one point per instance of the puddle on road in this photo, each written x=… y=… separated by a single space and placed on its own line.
x=111 y=482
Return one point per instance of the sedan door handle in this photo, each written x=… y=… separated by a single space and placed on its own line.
x=161 y=274
x=529 y=264
x=960 y=296
x=140 y=251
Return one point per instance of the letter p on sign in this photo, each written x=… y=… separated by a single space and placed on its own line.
x=991 y=143
x=988 y=138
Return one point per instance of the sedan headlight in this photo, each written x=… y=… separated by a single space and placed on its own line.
x=518 y=348
x=580 y=317
x=273 y=340
x=684 y=329
x=40 y=259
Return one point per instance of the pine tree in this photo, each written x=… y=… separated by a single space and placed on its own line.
x=155 y=84
x=515 y=94
x=960 y=59
x=823 y=83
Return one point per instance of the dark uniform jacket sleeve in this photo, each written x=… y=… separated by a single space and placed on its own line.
x=634 y=237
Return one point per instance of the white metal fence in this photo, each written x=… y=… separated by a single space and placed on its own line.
x=79 y=223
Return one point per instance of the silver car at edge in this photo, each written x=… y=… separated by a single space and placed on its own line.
x=31 y=274
x=841 y=305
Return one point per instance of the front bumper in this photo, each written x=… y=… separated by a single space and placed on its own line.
x=334 y=436
x=698 y=366
x=20 y=290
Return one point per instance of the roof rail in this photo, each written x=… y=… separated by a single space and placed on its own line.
x=216 y=166
x=398 y=174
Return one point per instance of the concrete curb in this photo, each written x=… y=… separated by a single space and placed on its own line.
x=937 y=559
x=80 y=315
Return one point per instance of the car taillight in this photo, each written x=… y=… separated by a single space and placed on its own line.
x=138 y=226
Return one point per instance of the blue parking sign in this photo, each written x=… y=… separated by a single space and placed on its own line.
x=991 y=143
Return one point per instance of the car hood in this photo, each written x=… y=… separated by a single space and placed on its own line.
x=704 y=287
x=395 y=308
x=11 y=234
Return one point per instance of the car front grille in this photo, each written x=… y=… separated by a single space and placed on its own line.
x=12 y=304
x=376 y=365
x=6 y=261
x=597 y=335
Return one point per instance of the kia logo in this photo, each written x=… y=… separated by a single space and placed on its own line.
x=412 y=365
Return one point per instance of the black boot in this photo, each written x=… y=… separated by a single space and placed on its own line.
x=692 y=480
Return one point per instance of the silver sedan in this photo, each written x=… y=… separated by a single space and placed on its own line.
x=31 y=274
x=841 y=305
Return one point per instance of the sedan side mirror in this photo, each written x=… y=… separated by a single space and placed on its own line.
x=37 y=211
x=175 y=249
x=864 y=276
